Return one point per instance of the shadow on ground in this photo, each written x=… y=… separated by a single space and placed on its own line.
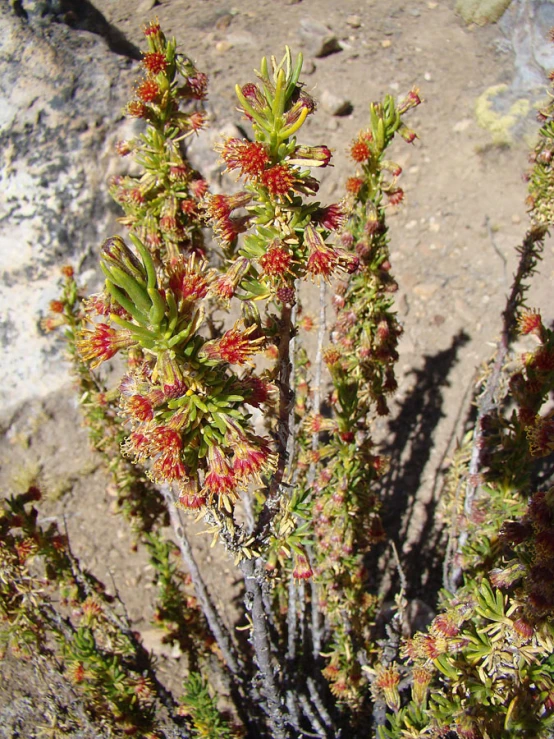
x=409 y=447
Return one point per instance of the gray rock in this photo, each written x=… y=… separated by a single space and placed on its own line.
x=60 y=92
x=146 y=6
x=317 y=39
x=335 y=104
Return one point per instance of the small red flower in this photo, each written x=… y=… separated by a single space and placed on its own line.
x=252 y=457
x=229 y=228
x=198 y=188
x=192 y=502
x=56 y=306
x=302 y=569
x=67 y=271
x=235 y=346
x=123 y=148
x=360 y=151
x=220 y=479
x=140 y=408
x=277 y=260
x=225 y=286
x=188 y=279
x=254 y=96
x=166 y=440
x=169 y=468
x=323 y=260
x=249 y=157
x=354 y=185
x=148 y=91
x=530 y=322
x=278 y=180
x=220 y=207
x=198 y=85
x=136 y=109
x=152 y=29
x=258 y=391
x=396 y=196
x=444 y=625
x=155 y=62
x=137 y=445
x=197 y=120
x=169 y=224
x=387 y=680
x=332 y=217
x=102 y=343
x=407 y=134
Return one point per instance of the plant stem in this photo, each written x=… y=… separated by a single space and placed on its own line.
x=218 y=628
x=286 y=398
x=262 y=648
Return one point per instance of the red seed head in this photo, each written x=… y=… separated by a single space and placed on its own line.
x=155 y=62
x=56 y=306
x=136 y=109
x=278 y=180
x=277 y=260
x=354 y=185
x=360 y=151
x=152 y=29
x=148 y=91
x=530 y=322
x=249 y=157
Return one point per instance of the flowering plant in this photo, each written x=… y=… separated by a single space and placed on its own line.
x=221 y=413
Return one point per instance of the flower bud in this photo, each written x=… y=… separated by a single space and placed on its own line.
x=116 y=253
x=311 y=156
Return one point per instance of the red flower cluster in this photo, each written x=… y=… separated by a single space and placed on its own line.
x=235 y=346
x=250 y=157
x=278 y=180
x=277 y=260
x=101 y=343
x=148 y=91
x=155 y=62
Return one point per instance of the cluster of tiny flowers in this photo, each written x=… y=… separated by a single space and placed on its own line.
x=533 y=383
x=532 y=537
x=275 y=179
x=162 y=204
x=182 y=403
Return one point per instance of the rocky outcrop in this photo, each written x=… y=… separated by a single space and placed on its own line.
x=64 y=73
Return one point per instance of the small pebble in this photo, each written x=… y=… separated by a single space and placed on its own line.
x=386 y=43
x=462 y=125
x=223 y=46
x=354 y=21
x=224 y=21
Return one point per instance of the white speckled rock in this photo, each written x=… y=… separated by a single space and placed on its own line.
x=58 y=107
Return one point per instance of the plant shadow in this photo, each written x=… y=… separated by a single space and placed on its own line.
x=411 y=440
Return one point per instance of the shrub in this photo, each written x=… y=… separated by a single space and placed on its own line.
x=221 y=414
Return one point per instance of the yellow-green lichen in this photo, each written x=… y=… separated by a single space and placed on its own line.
x=481 y=12
x=498 y=124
